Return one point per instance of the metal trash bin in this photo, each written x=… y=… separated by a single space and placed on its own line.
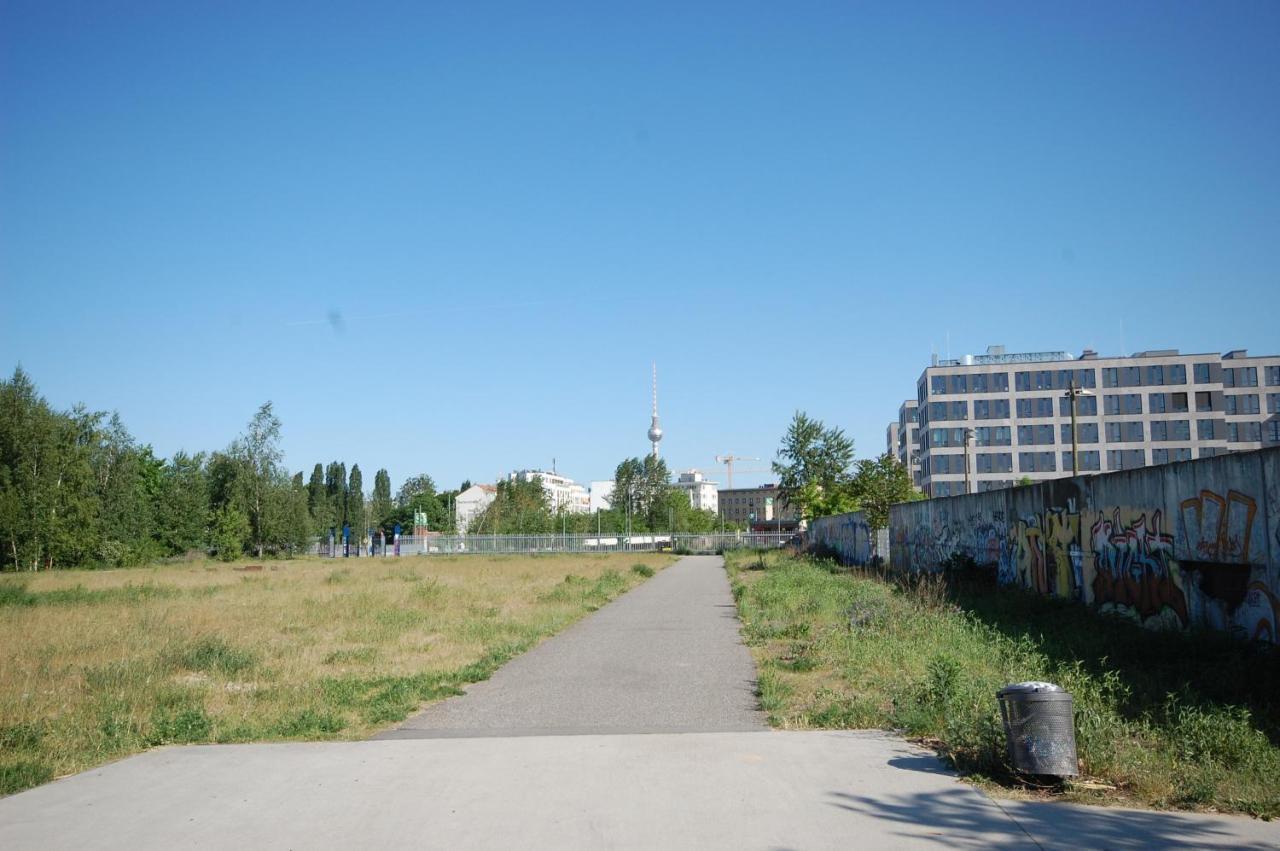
x=1039 y=727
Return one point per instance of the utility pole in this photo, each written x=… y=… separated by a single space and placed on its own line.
x=968 y=436
x=1073 y=393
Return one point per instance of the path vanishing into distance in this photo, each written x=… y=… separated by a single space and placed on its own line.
x=637 y=727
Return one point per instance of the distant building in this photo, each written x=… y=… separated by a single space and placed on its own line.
x=891 y=439
x=757 y=506
x=563 y=493
x=703 y=495
x=907 y=449
x=471 y=503
x=1009 y=414
x=601 y=494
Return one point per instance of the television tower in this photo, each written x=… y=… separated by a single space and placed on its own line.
x=655 y=430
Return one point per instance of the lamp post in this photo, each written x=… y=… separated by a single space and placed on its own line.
x=1073 y=393
x=968 y=436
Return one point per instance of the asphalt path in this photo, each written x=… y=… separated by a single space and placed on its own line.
x=667 y=657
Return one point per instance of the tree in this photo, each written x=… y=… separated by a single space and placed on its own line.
x=414 y=487
x=813 y=467
x=520 y=506
x=879 y=484
x=318 y=502
x=258 y=453
x=355 y=502
x=182 y=512
x=380 y=507
x=335 y=486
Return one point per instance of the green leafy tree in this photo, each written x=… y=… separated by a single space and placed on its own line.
x=519 y=507
x=814 y=468
x=413 y=488
x=182 y=512
x=231 y=529
x=258 y=454
x=335 y=485
x=381 y=506
x=355 y=502
x=318 y=506
x=880 y=483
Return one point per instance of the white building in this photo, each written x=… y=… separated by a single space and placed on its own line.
x=471 y=503
x=601 y=496
x=703 y=495
x=563 y=493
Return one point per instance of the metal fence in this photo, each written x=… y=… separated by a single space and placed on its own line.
x=496 y=544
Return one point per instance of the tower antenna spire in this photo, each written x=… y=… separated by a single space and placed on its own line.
x=655 y=430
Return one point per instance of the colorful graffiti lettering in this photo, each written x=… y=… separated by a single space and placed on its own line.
x=1216 y=528
x=1134 y=569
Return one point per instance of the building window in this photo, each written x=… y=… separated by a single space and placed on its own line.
x=1089 y=460
x=1211 y=451
x=1000 y=382
x=1157 y=403
x=1230 y=401
x=1249 y=403
x=1159 y=432
x=1204 y=429
x=959 y=384
x=1110 y=376
x=1126 y=459
x=1273 y=431
x=1165 y=456
x=1248 y=376
x=1273 y=403
x=1251 y=432
x=994 y=462
x=1041 y=406
x=1228 y=376
x=991 y=436
x=1178 y=374
x=1085 y=433
x=1155 y=374
x=1127 y=403
x=1125 y=432
x=980 y=383
x=1273 y=376
x=1180 y=429
x=938 y=385
x=1201 y=373
x=1204 y=400
x=1044 y=379
x=1037 y=462
x=1233 y=433
x=1130 y=376
x=1022 y=381
x=1178 y=402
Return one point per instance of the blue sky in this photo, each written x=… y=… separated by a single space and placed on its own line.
x=452 y=239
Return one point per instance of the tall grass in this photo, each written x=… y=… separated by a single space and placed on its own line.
x=1163 y=719
x=101 y=664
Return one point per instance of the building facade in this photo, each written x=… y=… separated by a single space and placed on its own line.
x=601 y=495
x=756 y=506
x=703 y=495
x=907 y=435
x=564 y=494
x=471 y=503
x=1007 y=416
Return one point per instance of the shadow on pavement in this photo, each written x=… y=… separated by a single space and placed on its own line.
x=956 y=818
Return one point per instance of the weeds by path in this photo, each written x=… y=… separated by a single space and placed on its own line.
x=101 y=664
x=1162 y=719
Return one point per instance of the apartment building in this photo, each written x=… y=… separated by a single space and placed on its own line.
x=907 y=436
x=563 y=493
x=757 y=507
x=703 y=494
x=1008 y=415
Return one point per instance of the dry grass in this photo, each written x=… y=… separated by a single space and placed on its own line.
x=98 y=665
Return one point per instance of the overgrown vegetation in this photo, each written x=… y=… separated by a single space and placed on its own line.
x=107 y=663
x=1163 y=719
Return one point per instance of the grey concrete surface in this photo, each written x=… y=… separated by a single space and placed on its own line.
x=665 y=657
x=810 y=790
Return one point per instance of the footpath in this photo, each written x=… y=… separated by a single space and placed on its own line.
x=635 y=728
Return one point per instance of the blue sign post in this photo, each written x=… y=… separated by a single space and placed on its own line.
x=397 y=538
x=346 y=541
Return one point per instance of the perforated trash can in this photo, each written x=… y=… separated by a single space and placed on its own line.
x=1039 y=727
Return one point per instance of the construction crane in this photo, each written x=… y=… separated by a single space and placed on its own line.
x=729 y=460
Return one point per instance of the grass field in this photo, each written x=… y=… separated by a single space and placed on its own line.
x=1171 y=720
x=96 y=665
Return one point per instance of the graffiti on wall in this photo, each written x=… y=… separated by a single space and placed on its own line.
x=846 y=535
x=1163 y=559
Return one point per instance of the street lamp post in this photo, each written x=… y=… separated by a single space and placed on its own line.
x=1073 y=393
x=968 y=436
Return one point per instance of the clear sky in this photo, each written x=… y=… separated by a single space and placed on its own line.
x=452 y=238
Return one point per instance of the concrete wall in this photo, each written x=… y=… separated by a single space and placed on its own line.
x=848 y=537
x=1178 y=545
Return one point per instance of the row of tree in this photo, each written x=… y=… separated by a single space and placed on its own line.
x=644 y=500
x=76 y=489
x=817 y=474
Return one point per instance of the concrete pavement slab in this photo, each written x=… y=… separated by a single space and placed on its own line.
x=665 y=657
x=704 y=790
